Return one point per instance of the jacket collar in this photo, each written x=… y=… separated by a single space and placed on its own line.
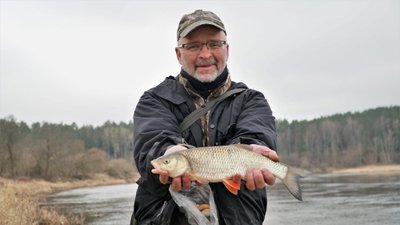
x=215 y=93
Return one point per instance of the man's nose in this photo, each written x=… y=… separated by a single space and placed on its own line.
x=205 y=52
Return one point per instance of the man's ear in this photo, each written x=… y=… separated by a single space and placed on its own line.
x=227 y=52
x=178 y=54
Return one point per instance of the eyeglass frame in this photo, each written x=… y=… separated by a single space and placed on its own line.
x=183 y=46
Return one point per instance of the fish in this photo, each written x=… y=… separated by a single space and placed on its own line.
x=220 y=163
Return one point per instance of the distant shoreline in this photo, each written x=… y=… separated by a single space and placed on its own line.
x=370 y=169
x=41 y=188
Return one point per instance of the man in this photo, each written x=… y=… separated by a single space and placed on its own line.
x=244 y=118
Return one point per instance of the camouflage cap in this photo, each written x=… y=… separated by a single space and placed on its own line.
x=198 y=18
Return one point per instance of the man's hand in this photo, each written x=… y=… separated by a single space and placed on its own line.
x=178 y=183
x=257 y=178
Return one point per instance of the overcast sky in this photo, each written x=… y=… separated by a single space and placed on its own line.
x=88 y=61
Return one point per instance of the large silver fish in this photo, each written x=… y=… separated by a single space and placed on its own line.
x=221 y=163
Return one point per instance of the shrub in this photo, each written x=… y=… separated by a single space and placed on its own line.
x=120 y=168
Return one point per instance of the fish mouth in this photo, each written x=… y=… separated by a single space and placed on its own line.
x=157 y=169
x=155 y=164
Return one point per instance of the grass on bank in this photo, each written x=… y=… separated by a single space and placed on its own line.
x=20 y=208
x=20 y=196
x=370 y=169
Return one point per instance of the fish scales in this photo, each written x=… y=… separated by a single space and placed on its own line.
x=224 y=161
x=215 y=163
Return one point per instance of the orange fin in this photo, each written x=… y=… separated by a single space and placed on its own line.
x=232 y=186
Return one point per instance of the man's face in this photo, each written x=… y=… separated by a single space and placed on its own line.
x=206 y=64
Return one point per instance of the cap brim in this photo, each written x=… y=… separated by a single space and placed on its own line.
x=193 y=26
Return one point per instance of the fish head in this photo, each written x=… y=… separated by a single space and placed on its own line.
x=175 y=164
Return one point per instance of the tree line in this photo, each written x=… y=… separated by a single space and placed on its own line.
x=342 y=140
x=52 y=151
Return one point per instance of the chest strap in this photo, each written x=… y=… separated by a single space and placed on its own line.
x=196 y=114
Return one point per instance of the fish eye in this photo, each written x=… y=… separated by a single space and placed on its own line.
x=167 y=161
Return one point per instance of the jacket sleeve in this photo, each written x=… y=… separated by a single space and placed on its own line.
x=155 y=128
x=255 y=123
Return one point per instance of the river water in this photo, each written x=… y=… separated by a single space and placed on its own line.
x=328 y=199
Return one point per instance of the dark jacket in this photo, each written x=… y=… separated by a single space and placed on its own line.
x=243 y=118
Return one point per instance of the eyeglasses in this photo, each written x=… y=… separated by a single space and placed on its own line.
x=197 y=46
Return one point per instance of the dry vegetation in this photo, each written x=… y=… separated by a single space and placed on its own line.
x=371 y=169
x=45 y=158
x=19 y=200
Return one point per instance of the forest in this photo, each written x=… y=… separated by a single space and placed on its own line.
x=54 y=151
x=342 y=140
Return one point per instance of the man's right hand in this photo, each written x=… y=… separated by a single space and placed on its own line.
x=177 y=183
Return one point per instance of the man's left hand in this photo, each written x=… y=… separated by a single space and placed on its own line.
x=255 y=178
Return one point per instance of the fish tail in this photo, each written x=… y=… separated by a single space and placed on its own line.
x=291 y=181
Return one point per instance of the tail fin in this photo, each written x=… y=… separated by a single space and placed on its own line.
x=291 y=181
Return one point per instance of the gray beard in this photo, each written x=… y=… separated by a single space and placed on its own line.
x=206 y=80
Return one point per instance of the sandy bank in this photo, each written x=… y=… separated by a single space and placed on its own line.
x=371 y=169
x=39 y=187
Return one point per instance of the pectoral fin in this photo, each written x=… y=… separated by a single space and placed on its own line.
x=232 y=186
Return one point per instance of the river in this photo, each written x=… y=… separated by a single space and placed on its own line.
x=328 y=199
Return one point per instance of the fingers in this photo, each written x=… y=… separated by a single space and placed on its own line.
x=164 y=177
x=186 y=182
x=265 y=151
x=180 y=183
x=204 y=209
x=254 y=180
x=258 y=179
x=250 y=181
x=176 y=184
x=272 y=155
x=237 y=178
x=268 y=177
x=174 y=148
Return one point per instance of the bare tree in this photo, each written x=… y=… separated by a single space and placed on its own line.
x=9 y=138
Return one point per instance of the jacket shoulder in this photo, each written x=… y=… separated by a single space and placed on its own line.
x=169 y=89
x=239 y=85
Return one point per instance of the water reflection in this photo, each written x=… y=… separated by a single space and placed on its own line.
x=338 y=199
x=105 y=205
x=329 y=199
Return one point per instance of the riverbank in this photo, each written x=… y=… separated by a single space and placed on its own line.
x=19 y=199
x=370 y=169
